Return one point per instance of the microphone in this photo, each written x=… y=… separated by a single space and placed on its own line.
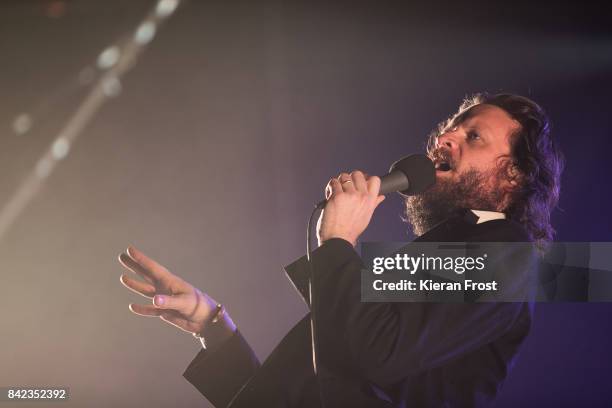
x=408 y=176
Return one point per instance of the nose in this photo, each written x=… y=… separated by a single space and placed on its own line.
x=449 y=140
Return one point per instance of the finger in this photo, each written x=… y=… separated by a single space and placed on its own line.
x=186 y=305
x=359 y=181
x=142 y=288
x=328 y=189
x=131 y=265
x=175 y=320
x=346 y=182
x=343 y=177
x=335 y=186
x=379 y=200
x=145 y=310
x=373 y=185
x=154 y=270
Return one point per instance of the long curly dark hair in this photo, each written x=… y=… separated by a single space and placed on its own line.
x=534 y=154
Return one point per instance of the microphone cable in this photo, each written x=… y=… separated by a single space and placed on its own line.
x=311 y=295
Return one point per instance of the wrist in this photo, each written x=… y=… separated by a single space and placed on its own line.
x=217 y=330
x=350 y=240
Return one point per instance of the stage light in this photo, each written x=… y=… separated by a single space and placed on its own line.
x=111 y=86
x=166 y=7
x=109 y=57
x=43 y=167
x=22 y=123
x=56 y=9
x=60 y=148
x=145 y=33
x=112 y=63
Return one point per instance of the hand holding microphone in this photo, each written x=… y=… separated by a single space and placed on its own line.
x=352 y=198
x=351 y=201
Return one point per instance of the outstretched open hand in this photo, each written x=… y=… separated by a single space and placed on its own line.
x=173 y=300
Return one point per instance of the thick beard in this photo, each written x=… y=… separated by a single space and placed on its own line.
x=446 y=197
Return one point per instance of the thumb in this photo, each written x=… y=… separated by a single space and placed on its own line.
x=179 y=303
x=380 y=199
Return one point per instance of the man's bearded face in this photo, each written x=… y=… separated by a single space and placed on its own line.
x=442 y=200
x=468 y=170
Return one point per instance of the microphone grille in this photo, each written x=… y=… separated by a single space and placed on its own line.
x=419 y=170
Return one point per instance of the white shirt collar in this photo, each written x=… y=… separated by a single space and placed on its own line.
x=484 y=216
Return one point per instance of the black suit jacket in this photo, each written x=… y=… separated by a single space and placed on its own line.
x=376 y=354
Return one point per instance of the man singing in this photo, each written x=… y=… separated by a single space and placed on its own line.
x=497 y=180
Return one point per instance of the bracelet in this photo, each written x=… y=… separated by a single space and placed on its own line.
x=219 y=313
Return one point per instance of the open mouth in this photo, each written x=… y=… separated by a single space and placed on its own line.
x=443 y=160
x=443 y=166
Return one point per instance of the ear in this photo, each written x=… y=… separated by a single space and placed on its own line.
x=509 y=173
x=514 y=175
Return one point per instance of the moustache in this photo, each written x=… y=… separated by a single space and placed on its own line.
x=442 y=159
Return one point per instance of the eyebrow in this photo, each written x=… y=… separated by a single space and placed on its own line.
x=479 y=125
